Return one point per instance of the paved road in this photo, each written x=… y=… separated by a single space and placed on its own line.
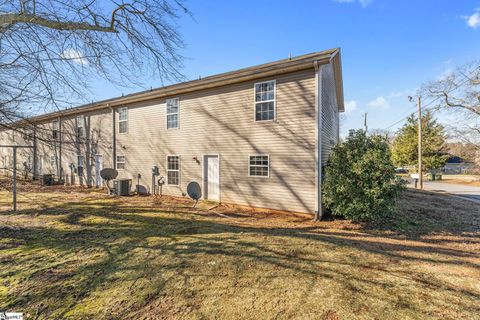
x=469 y=192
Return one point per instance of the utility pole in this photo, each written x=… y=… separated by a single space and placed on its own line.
x=365 y=122
x=35 y=154
x=420 y=176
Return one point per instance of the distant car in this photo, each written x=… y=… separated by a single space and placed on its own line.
x=401 y=170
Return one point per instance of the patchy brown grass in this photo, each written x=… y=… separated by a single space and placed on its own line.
x=85 y=255
x=463 y=182
x=467 y=180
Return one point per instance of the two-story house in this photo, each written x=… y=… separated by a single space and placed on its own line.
x=258 y=136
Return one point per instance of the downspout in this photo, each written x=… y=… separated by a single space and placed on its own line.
x=35 y=153
x=114 y=138
x=59 y=164
x=318 y=145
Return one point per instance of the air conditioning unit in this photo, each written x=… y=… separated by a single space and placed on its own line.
x=122 y=187
x=47 y=180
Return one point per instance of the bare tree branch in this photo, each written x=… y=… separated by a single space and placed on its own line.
x=459 y=92
x=11 y=19
x=52 y=51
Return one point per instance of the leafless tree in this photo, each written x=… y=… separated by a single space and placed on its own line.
x=52 y=50
x=459 y=92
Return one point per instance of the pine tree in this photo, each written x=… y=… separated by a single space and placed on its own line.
x=405 y=145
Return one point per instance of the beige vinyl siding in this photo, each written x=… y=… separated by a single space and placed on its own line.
x=329 y=113
x=221 y=121
x=22 y=137
x=218 y=121
x=98 y=139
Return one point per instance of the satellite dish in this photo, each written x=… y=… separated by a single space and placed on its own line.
x=194 y=191
x=108 y=174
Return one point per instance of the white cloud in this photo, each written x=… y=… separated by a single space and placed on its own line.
x=363 y=3
x=396 y=94
x=350 y=106
x=445 y=74
x=448 y=62
x=75 y=55
x=473 y=21
x=379 y=103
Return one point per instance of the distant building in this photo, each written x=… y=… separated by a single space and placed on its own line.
x=457 y=165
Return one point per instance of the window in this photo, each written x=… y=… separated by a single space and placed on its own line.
x=265 y=101
x=80 y=126
x=122 y=120
x=55 y=129
x=172 y=113
x=80 y=161
x=121 y=162
x=173 y=170
x=53 y=161
x=259 y=166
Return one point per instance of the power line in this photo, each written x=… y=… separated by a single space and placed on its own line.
x=412 y=113
x=467 y=79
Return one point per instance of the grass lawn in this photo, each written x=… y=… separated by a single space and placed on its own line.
x=84 y=255
x=468 y=180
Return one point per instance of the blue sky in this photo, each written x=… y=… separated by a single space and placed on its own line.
x=389 y=47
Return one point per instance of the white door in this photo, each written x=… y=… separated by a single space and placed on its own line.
x=98 y=168
x=212 y=178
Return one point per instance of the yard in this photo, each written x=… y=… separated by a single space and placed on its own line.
x=469 y=180
x=80 y=254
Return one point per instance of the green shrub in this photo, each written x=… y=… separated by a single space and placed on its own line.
x=360 y=182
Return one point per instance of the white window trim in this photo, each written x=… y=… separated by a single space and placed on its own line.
x=256 y=155
x=117 y=162
x=80 y=124
x=179 y=167
x=167 y=114
x=56 y=128
x=274 y=101
x=119 y=121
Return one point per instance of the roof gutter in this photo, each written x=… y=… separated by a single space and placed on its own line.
x=335 y=60
x=252 y=73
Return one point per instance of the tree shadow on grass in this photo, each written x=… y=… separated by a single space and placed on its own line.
x=423 y=214
x=85 y=246
x=112 y=234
